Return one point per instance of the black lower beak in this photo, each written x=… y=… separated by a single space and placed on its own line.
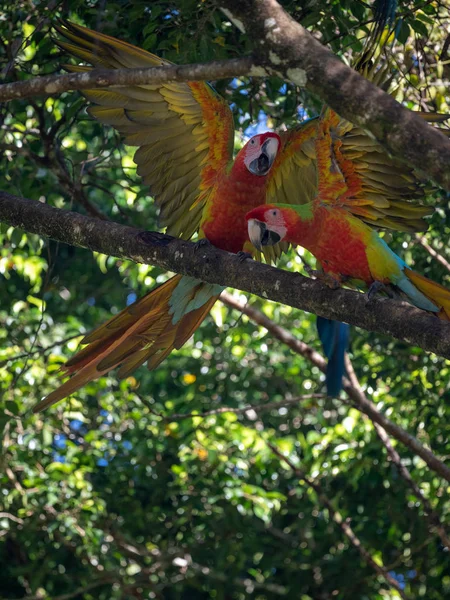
x=261 y=236
x=261 y=165
x=270 y=238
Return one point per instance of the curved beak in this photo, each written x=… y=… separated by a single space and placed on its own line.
x=261 y=165
x=261 y=236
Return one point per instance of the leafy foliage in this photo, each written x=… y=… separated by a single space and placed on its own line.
x=116 y=493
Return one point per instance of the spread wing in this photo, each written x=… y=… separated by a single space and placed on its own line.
x=184 y=131
x=355 y=172
x=379 y=188
x=293 y=177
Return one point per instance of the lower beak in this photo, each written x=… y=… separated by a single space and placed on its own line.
x=261 y=236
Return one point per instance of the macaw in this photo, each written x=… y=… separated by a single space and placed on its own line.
x=184 y=133
x=334 y=228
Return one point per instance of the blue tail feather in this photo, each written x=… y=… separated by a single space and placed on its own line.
x=335 y=339
x=384 y=12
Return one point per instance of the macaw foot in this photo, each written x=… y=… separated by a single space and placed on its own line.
x=154 y=238
x=326 y=278
x=375 y=288
x=201 y=244
x=243 y=256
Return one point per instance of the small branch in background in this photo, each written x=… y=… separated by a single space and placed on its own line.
x=359 y=399
x=57 y=164
x=355 y=392
x=443 y=261
x=35 y=351
x=256 y=408
x=6 y=515
x=79 y=591
x=342 y=523
x=433 y=519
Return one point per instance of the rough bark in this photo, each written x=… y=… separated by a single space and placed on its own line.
x=382 y=315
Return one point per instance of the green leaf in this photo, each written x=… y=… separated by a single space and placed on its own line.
x=403 y=32
x=419 y=27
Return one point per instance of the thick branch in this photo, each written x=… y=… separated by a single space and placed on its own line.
x=99 y=78
x=382 y=315
x=283 y=46
x=356 y=395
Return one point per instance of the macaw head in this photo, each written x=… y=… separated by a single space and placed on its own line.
x=267 y=224
x=259 y=153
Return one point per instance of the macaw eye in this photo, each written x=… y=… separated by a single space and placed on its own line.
x=252 y=142
x=274 y=213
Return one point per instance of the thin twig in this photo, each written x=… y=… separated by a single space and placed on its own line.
x=257 y=408
x=39 y=350
x=444 y=262
x=79 y=591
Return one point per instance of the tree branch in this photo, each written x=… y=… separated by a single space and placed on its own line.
x=343 y=524
x=100 y=78
x=212 y=265
x=356 y=395
x=256 y=408
x=422 y=241
x=284 y=47
x=431 y=515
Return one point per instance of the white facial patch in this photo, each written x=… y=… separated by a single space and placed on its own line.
x=275 y=222
x=252 y=150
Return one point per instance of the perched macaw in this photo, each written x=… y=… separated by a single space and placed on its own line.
x=332 y=228
x=184 y=133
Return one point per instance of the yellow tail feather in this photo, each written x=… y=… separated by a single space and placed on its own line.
x=142 y=332
x=438 y=294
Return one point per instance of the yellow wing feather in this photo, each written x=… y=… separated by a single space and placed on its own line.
x=293 y=177
x=184 y=131
x=379 y=189
x=369 y=183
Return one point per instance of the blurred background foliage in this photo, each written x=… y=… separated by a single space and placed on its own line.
x=120 y=492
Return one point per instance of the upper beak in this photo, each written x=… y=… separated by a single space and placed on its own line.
x=261 y=236
x=261 y=165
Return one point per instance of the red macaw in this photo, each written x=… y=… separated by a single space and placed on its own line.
x=332 y=228
x=185 y=134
